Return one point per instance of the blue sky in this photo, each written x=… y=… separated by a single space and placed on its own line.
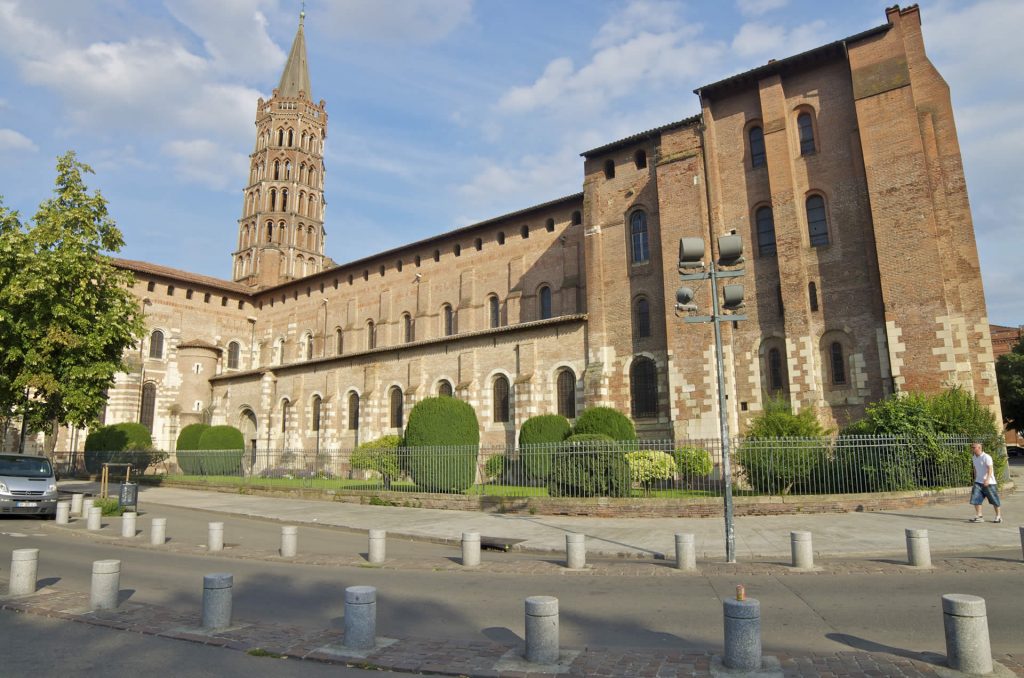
x=442 y=112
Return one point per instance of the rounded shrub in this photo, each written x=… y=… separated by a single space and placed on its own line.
x=693 y=462
x=189 y=437
x=589 y=465
x=222 y=438
x=537 y=438
x=380 y=456
x=219 y=453
x=606 y=421
x=494 y=468
x=650 y=467
x=125 y=443
x=449 y=424
x=783 y=452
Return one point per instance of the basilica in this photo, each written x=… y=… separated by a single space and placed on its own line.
x=839 y=168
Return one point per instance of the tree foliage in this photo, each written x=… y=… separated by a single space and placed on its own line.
x=1010 y=377
x=66 y=313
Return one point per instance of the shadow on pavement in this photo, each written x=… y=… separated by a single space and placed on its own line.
x=502 y=635
x=871 y=646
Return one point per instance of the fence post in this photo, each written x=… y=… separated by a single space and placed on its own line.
x=215 y=537
x=360 y=617
x=918 y=552
x=575 y=551
x=470 y=549
x=542 y=644
x=686 y=555
x=377 y=547
x=24 y=565
x=158 y=531
x=217 y=600
x=106 y=583
x=289 y=541
x=965 y=622
x=128 y=524
x=801 y=548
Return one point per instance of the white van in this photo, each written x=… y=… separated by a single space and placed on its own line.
x=27 y=485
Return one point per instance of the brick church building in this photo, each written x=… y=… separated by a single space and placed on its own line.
x=839 y=167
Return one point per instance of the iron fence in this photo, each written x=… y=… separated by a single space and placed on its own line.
x=674 y=469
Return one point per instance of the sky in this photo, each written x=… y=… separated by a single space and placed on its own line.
x=441 y=112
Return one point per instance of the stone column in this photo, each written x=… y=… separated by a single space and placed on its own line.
x=542 y=644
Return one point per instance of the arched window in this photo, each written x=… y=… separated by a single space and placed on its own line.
x=280 y=137
x=501 y=403
x=775 y=380
x=805 y=126
x=549 y=225
x=577 y=218
x=408 y=329
x=286 y=414
x=758 y=156
x=273 y=200
x=353 y=411
x=287 y=169
x=642 y=318
x=444 y=388
x=371 y=335
x=147 y=408
x=339 y=342
x=397 y=420
x=156 y=344
x=494 y=310
x=817 y=221
x=566 y=394
x=277 y=169
x=317 y=404
x=640 y=159
x=838 y=363
x=638 y=237
x=278 y=356
x=448 y=320
x=765 y=231
x=812 y=295
x=643 y=384
x=544 y=302
x=609 y=169
x=234 y=353
x=291 y=137
x=308 y=345
x=284 y=199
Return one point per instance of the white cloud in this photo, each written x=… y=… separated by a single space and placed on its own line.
x=639 y=16
x=408 y=21
x=759 y=39
x=496 y=188
x=206 y=162
x=759 y=7
x=11 y=140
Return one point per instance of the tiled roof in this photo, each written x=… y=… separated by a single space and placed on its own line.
x=147 y=268
x=685 y=122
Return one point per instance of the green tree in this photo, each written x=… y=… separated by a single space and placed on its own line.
x=66 y=313
x=1010 y=377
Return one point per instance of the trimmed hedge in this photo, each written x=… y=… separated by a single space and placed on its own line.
x=589 y=465
x=380 y=455
x=448 y=422
x=649 y=467
x=125 y=443
x=222 y=438
x=606 y=421
x=219 y=454
x=783 y=452
x=693 y=462
x=189 y=437
x=535 y=438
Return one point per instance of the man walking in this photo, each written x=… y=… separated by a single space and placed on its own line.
x=984 y=484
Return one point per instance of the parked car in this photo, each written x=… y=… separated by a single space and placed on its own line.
x=28 y=485
x=1014 y=450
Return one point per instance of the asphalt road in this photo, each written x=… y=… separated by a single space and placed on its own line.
x=800 y=612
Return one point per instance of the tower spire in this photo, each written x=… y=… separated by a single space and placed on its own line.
x=295 y=77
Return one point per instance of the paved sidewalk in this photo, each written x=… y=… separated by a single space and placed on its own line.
x=835 y=535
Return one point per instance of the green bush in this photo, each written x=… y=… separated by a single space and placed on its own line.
x=109 y=506
x=125 y=443
x=589 y=465
x=494 y=468
x=607 y=421
x=189 y=437
x=648 y=467
x=536 y=438
x=446 y=422
x=783 y=452
x=693 y=462
x=381 y=456
x=957 y=412
x=220 y=453
x=222 y=438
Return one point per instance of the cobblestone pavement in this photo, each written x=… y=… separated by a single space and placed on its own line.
x=485 y=659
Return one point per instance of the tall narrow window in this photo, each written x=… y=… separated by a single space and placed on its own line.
x=234 y=352
x=640 y=159
x=643 y=318
x=817 y=221
x=838 y=363
x=566 y=394
x=544 y=302
x=371 y=335
x=286 y=408
x=448 y=320
x=609 y=169
x=317 y=404
x=812 y=294
x=407 y=328
x=147 y=409
x=501 y=406
x=339 y=342
x=308 y=346
x=765 y=231
x=494 y=310
x=277 y=169
x=284 y=200
x=806 y=129
x=353 y=411
x=397 y=420
x=758 y=157
x=577 y=218
x=156 y=344
x=638 y=237
x=774 y=371
x=444 y=388
x=643 y=384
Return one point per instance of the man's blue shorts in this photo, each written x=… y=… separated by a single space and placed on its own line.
x=980 y=492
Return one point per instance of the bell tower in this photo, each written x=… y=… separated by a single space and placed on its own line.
x=281 y=231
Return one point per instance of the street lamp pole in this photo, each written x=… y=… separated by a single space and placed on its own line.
x=723 y=421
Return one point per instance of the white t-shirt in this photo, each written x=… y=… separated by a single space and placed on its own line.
x=982 y=463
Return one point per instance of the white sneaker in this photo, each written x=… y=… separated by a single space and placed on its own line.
x=997 y=519
x=976 y=519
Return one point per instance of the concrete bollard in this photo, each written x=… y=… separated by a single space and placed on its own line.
x=966 y=624
x=76 y=503
x=128 y=525
x=542 y=646
x=742 y=634
x=215 y=537
x=289 y=541
x=800 y=545
x=24 y=564
x=63 y=512
x=158 y=531
x=686 y=555
x=95 y=520
x=106 y=583
x=87 y=503
x=360 y=617
x=575 y=551
x=470 y=549
x=1021 y=542
x=217 y=600
x=918 y=552
x=378 y=546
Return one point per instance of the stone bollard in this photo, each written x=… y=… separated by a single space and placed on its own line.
x=128 y=525
x=742 y=634
x=289 y=541
x=217 y=600
x=87 y=503
x=24 y=564
x=95 y=520
x=215 y=537
x=800 y=545
x=76 y=503
x=106 y=583
x=378 y=545
x=918 y=553
x=966 y=625
x=542 y=645
x=470 y=549
x=575 y=551
x=686 y=555
x=158 y=531
x=1021 y=542
x=63 y=512
x=360 y=617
